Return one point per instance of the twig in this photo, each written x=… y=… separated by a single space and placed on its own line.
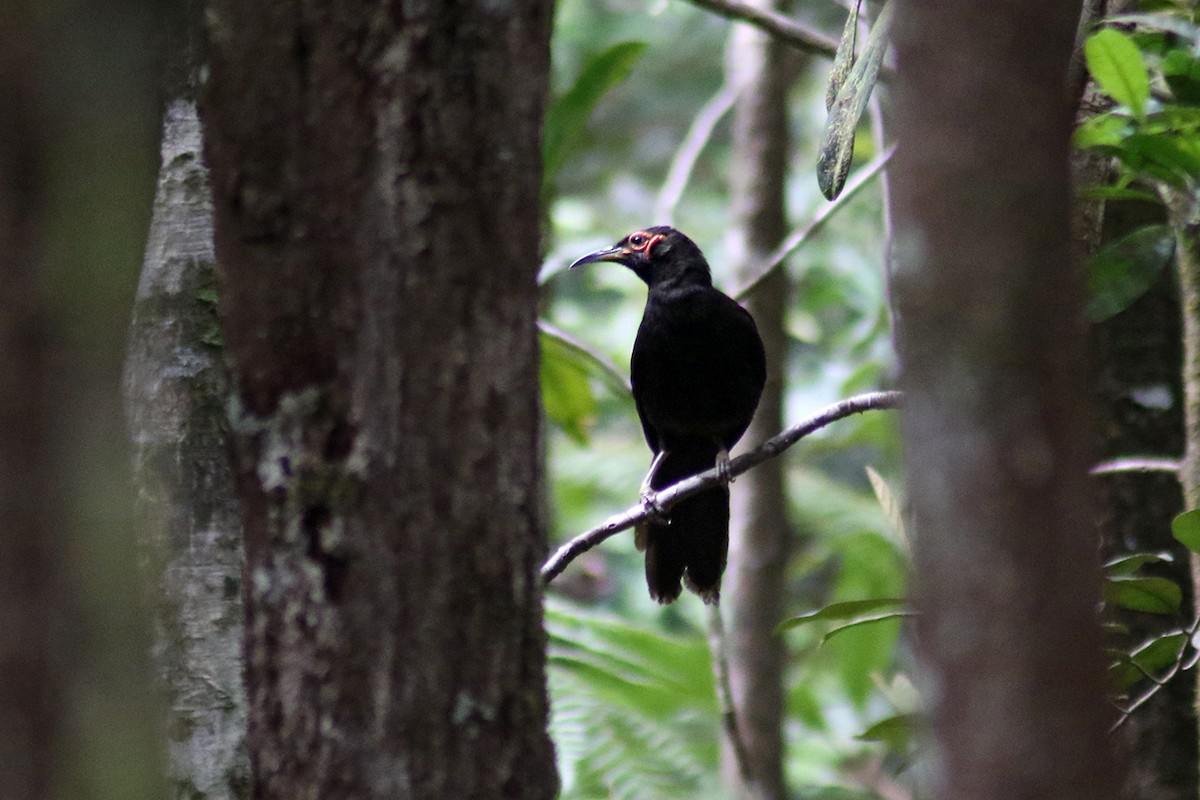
x=718 y=645
x=1176 y=667
x=781 y=27
x=687 y=487
x=1136 y=464
x=611 y=372
x=689 y=152
x=860 y=179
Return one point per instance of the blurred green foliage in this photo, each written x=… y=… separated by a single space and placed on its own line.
x=631 y=682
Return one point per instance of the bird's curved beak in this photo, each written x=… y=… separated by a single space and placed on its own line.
x=615 y=253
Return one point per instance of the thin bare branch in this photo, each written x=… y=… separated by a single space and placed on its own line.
x=853 y=187
x=1136 y=464
x=718 y=645
x=689 y=152
x=671 y=495
x=778 y=25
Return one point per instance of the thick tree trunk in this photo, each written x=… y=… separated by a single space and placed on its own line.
x=996 y=427
x=759 y=528
x=176 y=388
x=376 y=171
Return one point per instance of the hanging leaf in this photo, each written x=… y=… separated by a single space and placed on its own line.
x=843 y=60
x=1152 y=657
x=895 y=731
x=837 y=140
x=1116 y=64
x=1121 y=272
x=871 y=620
x=1186 y=529
x=567 y=116
x=835 y=612
x=892 y=507
x=1151 y=595
x=566 y=390
x=1127 y=565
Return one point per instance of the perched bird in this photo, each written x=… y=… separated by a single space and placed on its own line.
x=697 y=371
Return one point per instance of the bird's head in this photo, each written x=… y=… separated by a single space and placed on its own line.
x=656 y=255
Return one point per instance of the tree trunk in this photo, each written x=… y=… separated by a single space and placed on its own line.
x=759 y=528
x=996 y=427
x=376 y=171
x=176 y=388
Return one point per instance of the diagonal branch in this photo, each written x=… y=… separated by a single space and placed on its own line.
x=687 y=487
x=799 y=237
x=778 y=25
x=689 y=152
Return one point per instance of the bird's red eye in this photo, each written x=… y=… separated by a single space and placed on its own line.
x=638 y=241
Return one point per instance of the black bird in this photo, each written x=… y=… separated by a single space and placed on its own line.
x=697 y=370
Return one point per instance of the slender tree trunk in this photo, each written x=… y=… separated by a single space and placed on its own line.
x=1183 y=211
x=759 y=529
x=376 y=171
x=176 y=388
x=996 y=427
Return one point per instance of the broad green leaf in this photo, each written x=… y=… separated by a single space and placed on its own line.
x=871 y=620
x=835 y=612
x=1186 y=529
x=843 y=60
x=566 y=389
x=1121 y=272
x=567 y=116
x=895 y=731
x=1102 y=130
x=1152 y=657
x=1127 y=565
x=1151 y=595
x=837 y=140
x=1172 y=157
x=1181 y=70
x=1116 y=64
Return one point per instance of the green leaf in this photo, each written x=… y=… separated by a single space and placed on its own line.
x=1181 y=70
x=834 y=612
x=1127 y=565
x=1116 y=64
x=1121 y=272
x=1186 y=529
x=895 y=731
x=1153 y=656
x=567 y=116
x=871 y=620
x=1150 y=595
x=1172 y=157
x=566 y=390
x=1116 y=193
x=1102 y=130
x=837 y=140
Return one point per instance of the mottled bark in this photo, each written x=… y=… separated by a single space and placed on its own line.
x=376 y=171
x=996 y=429
x=753 y=599
x=1183 y=211
x=176 y=388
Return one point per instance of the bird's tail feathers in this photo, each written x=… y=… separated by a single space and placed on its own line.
x=693 y=547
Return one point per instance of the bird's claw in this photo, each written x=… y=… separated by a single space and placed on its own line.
x=724 y=472
x=654 y=512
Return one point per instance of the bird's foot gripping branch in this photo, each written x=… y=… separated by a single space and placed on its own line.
x=669 y=496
